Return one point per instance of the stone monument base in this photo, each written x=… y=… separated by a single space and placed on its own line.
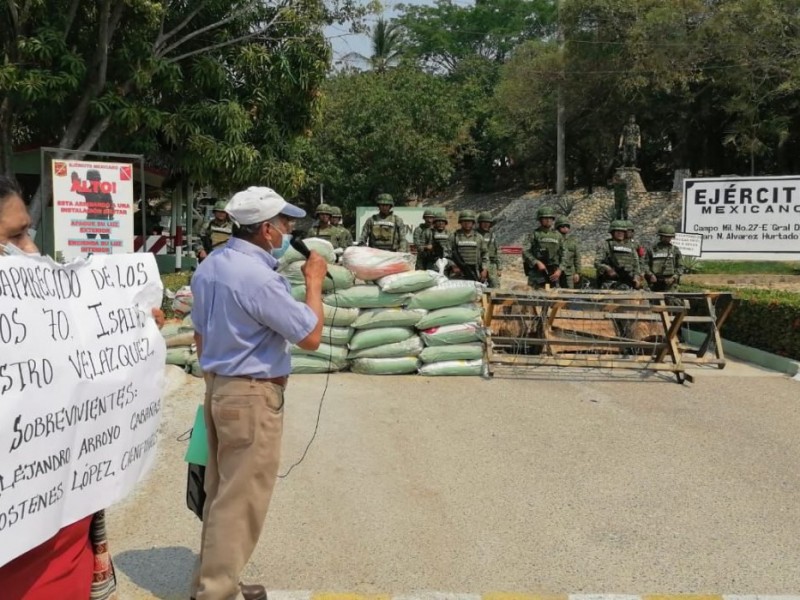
x=631 y=176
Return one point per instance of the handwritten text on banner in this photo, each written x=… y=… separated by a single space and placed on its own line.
x=81 y=370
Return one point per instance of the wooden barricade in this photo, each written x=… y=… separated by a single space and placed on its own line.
x=604 y=329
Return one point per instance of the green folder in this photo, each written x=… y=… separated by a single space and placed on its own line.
x=197 y=453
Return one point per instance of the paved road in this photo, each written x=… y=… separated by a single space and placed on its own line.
x=549 y=484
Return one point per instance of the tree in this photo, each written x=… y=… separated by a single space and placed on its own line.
x=398 y=132
x=387 y=47
x=218 y=90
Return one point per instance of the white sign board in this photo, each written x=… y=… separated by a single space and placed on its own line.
x=81 y=369
x=690 y=244
x=411 y=215
x=92 y=208
x=741 y=218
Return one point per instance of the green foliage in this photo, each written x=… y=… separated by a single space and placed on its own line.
x=565 y=205
x=749 y=267
x=397 y=132
x=387 y=47
x=691 y=264
x=767 y=320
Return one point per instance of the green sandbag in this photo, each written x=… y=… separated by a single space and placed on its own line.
x=323 y=247
x=336 y=336
x=432 y=354
x=442 y=297
x=186 y=324
x=370 y=338
x=171 y=330
x=453 y=334
x=365 y=296
x=337 y=353
x=385 y=366
x=411 y=281
x=303 y=364
x=340 y=278
x=410 y=347
x=336 y=316
x=453 y=367
x=455 y=315
x=372 y=318
x=299 y=293
x=180 y=356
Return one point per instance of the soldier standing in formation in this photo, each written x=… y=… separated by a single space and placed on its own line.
x=543 y=252
x=345 y=237
x=324 y=228
x=385 y=230
x=571 y=275
x=439 y=237
x=664 y=262
x=485 y=224
x=466 y=250
x=631 y=239
x=620 y=197
x=421 y=235
x=616 y=261
x=216 y=233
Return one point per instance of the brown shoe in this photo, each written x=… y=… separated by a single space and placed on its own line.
x=252 y=592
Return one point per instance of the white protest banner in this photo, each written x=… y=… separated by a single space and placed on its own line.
x=81 y=370
x=744 y=218
x=690 y=244
x=92 y=208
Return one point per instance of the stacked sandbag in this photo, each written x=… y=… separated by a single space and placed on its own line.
x=181 y=350
x=331 y=356
x=290 y=265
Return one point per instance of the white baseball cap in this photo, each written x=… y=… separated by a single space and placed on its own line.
x=258 y=204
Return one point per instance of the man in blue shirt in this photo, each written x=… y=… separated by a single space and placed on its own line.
x=245 y=319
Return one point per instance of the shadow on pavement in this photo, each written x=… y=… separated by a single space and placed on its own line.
x=164 y=572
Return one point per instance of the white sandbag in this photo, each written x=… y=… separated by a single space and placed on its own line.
x=336 y=336
x=340 y=278
x=369 y=264
x=462 y=283
x=182 y=302
x=181 y=339
x=337 y=353
x=472 y=351
x=318 y=245
x=304 y=364
x=411 y=281
x=454 y=315
x=453 y=367
x=187 y=324
x=453 y=334
x=372 y=318
x=370 y=338
x=444 y=296
x=365 y=296
x=336 y=316
x=385 y=366
x=410 y=347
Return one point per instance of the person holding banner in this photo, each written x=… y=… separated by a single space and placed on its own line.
x=244 y=315
x=74 y=564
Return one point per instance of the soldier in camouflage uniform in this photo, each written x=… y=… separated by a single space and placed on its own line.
x=630 y=237
x=616 y=261
x=323 y=228
x=439 y=238
x=466 y=252
x=385 y=230
x=345 y=237
x=664 y=262
x=485 y=223
x=571 y=276
x=216 y=233
x=620 y=197
x=422 y=237
x=543 y=252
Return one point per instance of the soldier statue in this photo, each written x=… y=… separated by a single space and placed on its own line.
x=630 y=142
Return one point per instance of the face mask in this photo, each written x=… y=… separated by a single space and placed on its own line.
x=285 y=242
x=9 y=249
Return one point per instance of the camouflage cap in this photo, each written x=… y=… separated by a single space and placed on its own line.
x=485 y=217
x=667 y=230
x=466 y=215
x=384 y=199
x=220 y=205
x=618 y=225
x=545 y=212
x=323 y=209
x=562 y=221
x=336 y=211
x=429 y=212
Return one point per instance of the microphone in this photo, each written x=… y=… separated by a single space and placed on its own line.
x=299 y=245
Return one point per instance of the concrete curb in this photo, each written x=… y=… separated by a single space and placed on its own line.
x=773 y=362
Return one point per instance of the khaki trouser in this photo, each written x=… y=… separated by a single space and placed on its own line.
x=244 y=419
